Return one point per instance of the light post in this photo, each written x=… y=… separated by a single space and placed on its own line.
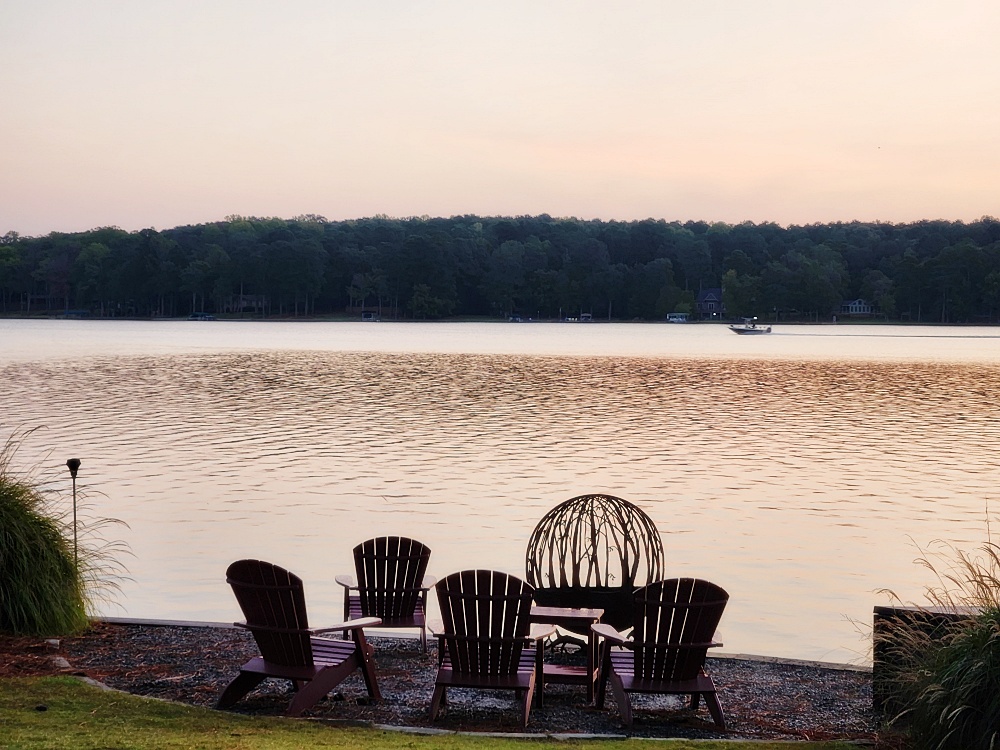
x=73 y=465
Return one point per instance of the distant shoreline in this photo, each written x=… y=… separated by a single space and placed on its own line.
x=595 y=321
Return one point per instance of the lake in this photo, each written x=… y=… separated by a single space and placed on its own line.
x=797 y=470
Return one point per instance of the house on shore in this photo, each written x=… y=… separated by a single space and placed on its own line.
x=708 y=303
x=856 y=308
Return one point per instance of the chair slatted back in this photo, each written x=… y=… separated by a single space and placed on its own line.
x=487 y=615
x=390 y=570
x=674 y=623
x=274 y=607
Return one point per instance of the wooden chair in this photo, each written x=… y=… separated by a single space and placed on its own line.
x=674 y=622
x=485 y=641
x=274 y=605
x=391 y=584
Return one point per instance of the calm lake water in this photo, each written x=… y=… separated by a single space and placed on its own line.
x=797 y=470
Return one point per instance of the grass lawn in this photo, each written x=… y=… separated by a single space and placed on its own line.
x=79 y=716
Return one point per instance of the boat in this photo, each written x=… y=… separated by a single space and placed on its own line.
x=749 y=326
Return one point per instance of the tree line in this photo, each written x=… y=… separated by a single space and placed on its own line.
x=531 y=266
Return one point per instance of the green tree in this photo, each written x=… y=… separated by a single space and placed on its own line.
x=424 y=305
x=503 y=280
x=651 y=290
x=912 y=284
x=10 y=265
x=742 y=295
x=879 y=290
x=296 y=271
x=196 y=280
x=809 y=278
x=93 y=275
x=957 y=272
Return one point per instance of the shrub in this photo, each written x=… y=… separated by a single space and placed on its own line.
x=44 y=589
x=945 y=678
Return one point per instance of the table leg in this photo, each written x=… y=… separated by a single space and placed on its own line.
x=540 y=674
x=591 y=661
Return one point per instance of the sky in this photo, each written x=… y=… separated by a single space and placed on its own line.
x=159 y=113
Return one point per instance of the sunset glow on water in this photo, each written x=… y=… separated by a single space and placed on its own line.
x=796 y=470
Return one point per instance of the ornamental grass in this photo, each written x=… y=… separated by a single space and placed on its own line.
x=945 y=673
x=47 y=584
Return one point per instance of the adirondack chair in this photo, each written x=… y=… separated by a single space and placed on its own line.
x=485 y=641
x=391 y=584
x=274 y=605
x=674 y=622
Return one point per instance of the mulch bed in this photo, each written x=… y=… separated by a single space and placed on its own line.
x=765 y=700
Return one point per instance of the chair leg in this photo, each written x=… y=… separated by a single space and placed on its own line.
x=243 y=684
x=621 y=698
x=437 y=700
x=364 y=652
x=602 y=675
x=526 y=704
x=319 y=686
x=693 y=705
x=371 y=681
x=715 y=708
x=441 y=647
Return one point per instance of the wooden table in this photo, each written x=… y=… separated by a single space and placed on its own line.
x=577 y=620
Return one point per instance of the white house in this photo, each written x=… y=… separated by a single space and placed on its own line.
x=855 y=307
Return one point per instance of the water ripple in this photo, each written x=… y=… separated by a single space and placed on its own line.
x=820 y=469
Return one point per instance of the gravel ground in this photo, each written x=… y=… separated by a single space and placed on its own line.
x=761 y=699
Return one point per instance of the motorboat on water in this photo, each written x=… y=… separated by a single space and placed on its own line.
x=749 y=326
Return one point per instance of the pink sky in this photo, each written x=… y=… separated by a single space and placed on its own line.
x=166 y=113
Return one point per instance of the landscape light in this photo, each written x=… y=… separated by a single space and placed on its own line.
x=73 y=465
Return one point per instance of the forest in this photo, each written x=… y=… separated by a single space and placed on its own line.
x=538 y=267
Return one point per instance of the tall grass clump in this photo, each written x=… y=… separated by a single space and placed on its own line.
x=44 y=588
x=944 y=672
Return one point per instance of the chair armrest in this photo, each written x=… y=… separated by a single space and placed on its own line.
x=361 y=622
x=608 y=633
x=694 y=646
x=346 y=581
x=537 y=632
x=541 y=631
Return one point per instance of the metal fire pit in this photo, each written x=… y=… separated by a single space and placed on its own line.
x=591 y=552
